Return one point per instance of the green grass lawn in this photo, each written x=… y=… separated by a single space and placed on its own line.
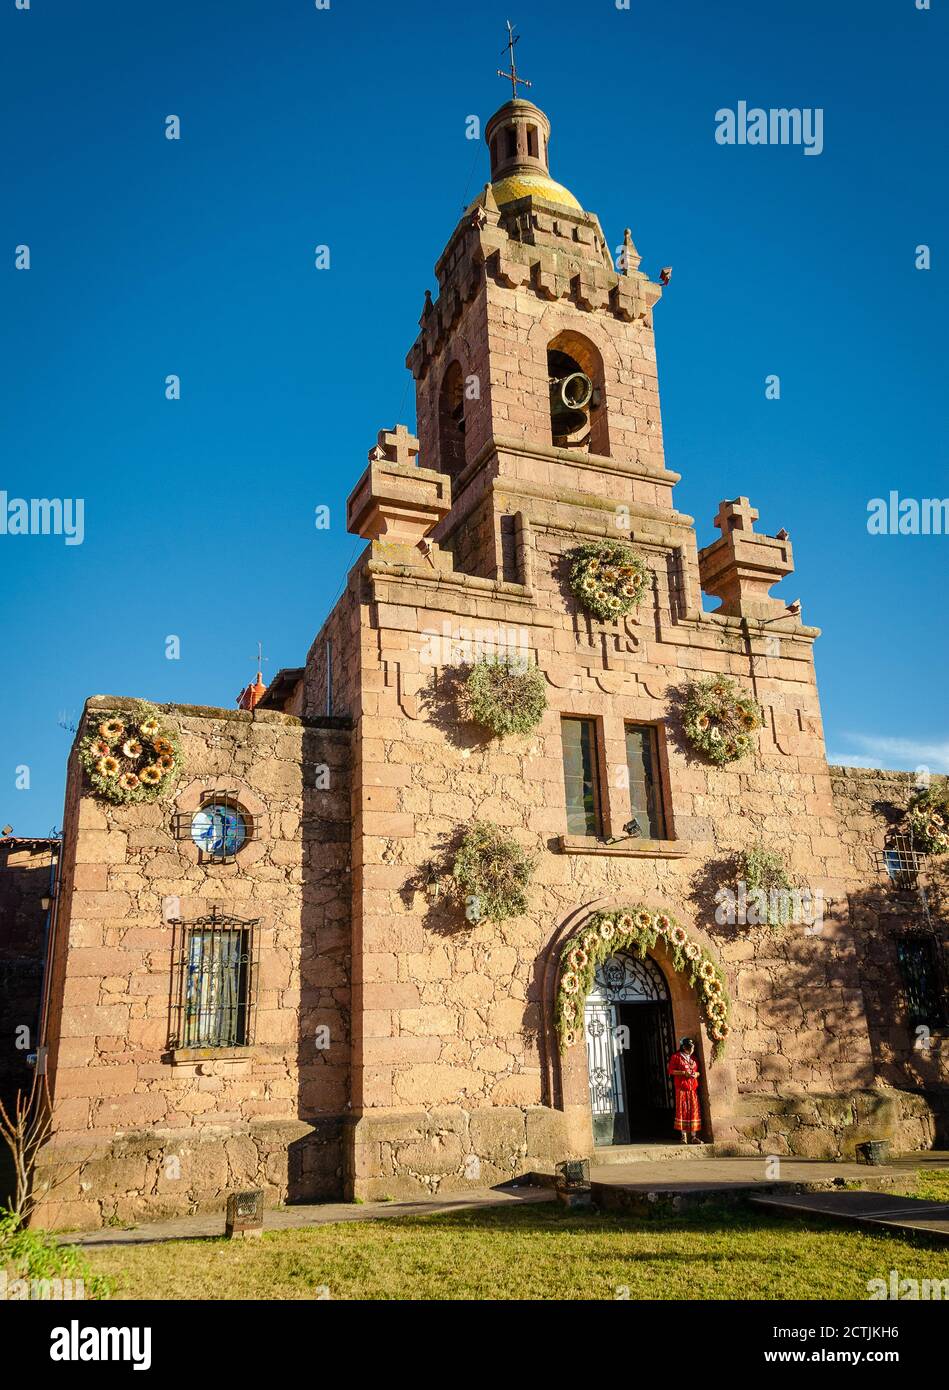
x=535 y=1252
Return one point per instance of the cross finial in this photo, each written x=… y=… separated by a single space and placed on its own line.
x=260 y=658
x=397 y=445
x=512 y=76
x=738 y=515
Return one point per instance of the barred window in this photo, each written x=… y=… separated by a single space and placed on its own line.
x=219 y=828
x=919 y=965
x=216 y=982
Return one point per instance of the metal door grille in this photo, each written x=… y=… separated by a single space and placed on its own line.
x=603 y=1060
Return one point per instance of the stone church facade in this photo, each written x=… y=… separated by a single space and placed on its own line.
x=384 y=1043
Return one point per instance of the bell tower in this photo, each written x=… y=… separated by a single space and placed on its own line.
x=535 y=364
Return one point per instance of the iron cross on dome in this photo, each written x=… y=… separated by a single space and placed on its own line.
x=512 y=76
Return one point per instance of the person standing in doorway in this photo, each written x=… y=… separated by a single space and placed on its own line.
x=684 y=1071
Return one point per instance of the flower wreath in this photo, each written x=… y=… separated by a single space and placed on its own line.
x=491 y=873
x=719 y=719
x=768 y=886
x=638 y=929
x=506 y=695
x=129 y=755
x=607 y=578
x=928 y=818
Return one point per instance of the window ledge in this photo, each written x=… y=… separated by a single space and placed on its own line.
x=624 y=848
x=186 y=1055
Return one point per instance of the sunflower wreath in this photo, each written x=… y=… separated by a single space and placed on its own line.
x=636 y=929
x=928 y=819
x=607 y=578
x=130 y=755
x=719 y=719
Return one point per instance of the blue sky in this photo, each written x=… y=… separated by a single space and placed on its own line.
x=346 y=127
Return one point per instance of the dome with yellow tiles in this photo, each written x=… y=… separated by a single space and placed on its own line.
x=514 y=186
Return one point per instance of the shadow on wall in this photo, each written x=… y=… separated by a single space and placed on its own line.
x=443 y=698
x=902 y=942
x=316 y=1160
x=22 y=943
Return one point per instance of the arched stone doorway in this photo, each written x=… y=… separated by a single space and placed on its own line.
x=566 y=1071
x=629 y=1037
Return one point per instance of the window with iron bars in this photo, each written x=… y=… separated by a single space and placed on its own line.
x=216 y=984
x=219 y=828
x=902 y=861
x=920 y=966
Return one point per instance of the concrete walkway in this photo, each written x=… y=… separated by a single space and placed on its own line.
x=701 y=1174
x=294 y=1217
x=867 y=1208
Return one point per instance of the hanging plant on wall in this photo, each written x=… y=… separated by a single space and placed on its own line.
x=491 y=873
x=129 y=755
x=720 y=720
x=506 y=695
x=607 y=578
x=636 y=929
x=767 y=885
x=928 y=819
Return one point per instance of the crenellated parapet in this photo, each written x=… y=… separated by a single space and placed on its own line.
x=532 y=245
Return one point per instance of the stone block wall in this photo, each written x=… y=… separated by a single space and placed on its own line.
x=129 y=871
x=830 y=1126
x=332 y=665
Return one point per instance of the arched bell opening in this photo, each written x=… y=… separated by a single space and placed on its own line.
x=578 y=416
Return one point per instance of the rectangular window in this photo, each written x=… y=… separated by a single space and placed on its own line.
x=645 y=790
x=919 y=966
x=215 y=988
x=580 y=775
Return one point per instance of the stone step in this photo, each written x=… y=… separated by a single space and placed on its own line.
x=648 y=1153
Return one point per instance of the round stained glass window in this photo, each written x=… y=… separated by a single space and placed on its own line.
x=218 y=830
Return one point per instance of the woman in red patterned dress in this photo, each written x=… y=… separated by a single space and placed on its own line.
x=684 y=1071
